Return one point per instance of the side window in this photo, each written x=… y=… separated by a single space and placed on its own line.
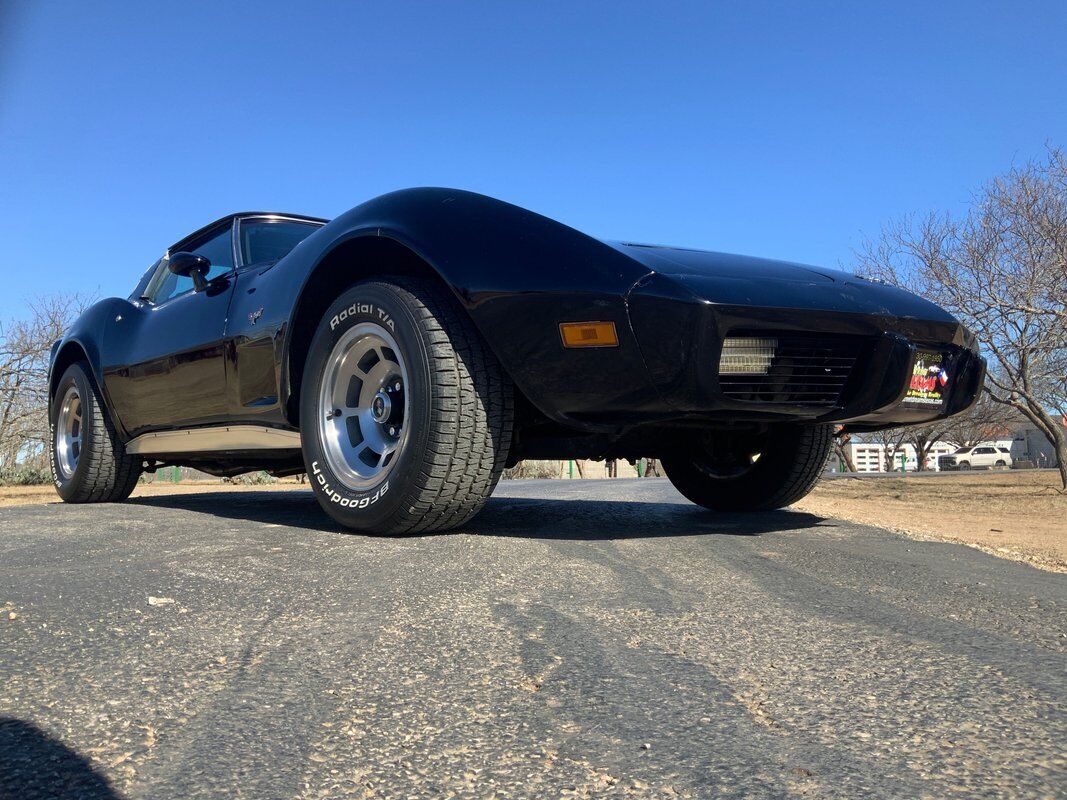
x=219 y=251
x=217 y=248
x=270 y=240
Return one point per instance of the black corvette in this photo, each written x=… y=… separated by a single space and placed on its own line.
x=405 y=352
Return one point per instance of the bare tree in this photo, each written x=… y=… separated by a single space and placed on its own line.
x=1002 y=270
x=923 y=438
x=986 y=421
x=843 y=451
x=25 y=345
x=891 y=441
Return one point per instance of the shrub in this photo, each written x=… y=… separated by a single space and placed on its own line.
x=24 y=476
x=253 y=479
x=533 y=469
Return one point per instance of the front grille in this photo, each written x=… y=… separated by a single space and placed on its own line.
x=807 y=369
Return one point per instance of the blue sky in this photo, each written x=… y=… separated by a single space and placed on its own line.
x=782 y=129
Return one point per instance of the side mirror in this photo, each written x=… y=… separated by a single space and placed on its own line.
x=192 y=266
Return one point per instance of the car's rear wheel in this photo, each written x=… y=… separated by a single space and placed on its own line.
x=751 y=472
x=1001 y=463
x=89 y=462
x=405 y=414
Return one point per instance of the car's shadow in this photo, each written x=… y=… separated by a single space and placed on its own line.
x=530 y=518
x=37 y=766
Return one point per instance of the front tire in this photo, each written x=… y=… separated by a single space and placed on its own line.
x=88 y=460
x=755 y=473
x=405 y=415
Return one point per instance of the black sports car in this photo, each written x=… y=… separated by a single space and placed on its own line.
x=404 y=353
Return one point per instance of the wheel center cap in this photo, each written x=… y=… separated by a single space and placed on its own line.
x=381 y=407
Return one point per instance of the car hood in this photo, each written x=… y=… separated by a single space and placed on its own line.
x=724 y=278
x=681 y=261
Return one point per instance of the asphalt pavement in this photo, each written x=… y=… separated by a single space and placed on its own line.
x=585 y=638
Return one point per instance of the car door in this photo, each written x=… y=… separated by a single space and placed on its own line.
x=167 y=355
x=258 y=314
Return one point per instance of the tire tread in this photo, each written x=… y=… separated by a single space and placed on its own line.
x=797 y=465
x=473 y=429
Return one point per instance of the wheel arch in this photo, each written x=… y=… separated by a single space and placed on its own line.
x=359 y=257
x=516 y=274
x=70 y=352
x=84 y=341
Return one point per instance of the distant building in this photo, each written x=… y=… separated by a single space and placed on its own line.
x=1028 y=443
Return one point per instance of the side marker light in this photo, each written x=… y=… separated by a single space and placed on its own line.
x=588 y=334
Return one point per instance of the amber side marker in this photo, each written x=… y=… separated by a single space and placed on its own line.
x=588 y=334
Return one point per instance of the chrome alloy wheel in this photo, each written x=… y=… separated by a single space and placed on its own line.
x=363 y=416
x=69 y=433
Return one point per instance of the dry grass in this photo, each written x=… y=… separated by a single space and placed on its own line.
x=1012 y=514
x=33 y=495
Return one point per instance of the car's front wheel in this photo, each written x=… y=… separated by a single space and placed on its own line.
x=405 y=414
x=89 y=462
x=731 y=472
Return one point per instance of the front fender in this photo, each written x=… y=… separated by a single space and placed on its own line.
x=82 y=341
x=518 y=275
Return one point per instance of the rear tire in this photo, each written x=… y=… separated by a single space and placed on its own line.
x=790 y=461
x=426 y=411
x=88 y=460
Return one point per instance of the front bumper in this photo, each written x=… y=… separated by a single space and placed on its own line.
x=965 y=365
x=680 y=337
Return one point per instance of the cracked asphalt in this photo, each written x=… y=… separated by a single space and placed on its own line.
x=596 y=638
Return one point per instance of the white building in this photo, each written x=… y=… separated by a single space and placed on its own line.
x=1029 y=444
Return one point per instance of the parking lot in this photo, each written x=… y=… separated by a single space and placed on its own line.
x=597 y=638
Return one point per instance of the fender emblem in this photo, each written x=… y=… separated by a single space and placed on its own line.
x=255 y=315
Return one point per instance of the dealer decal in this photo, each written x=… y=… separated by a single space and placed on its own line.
x=929 y=379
